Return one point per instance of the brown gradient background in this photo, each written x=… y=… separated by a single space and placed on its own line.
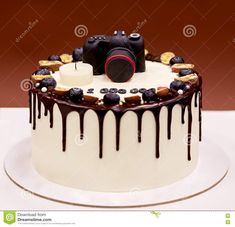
x=211 y=49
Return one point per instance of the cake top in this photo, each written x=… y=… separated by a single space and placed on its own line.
x=115 y=71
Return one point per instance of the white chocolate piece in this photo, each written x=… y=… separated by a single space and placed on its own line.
x=43 y=89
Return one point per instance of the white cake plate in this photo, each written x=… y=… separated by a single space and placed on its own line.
x=211 y=170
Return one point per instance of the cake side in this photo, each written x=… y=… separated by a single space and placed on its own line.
x=154 y=161
x=98 y=147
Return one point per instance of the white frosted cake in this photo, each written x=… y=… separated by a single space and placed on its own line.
x=98 y=134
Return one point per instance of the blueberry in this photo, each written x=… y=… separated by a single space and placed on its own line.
x=77 y=54
x=54 y=58
x=176 y=60
x=49 y=83
x=43 y=71
x=134 y=90
x=90 y=90
x=177 y=84
x=122 y=91
x=75 y=94
x=149 y=95
x=113 y=90
x=111 y=99
x=184 y=72
x=104 y=90
x=142 y=90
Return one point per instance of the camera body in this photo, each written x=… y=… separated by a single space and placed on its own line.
x=119 y=56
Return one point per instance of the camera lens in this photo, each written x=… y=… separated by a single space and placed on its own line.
x=120 y=64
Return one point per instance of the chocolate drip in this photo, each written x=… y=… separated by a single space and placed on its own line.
x=198 y=93
x=182 y=113
x=49 y=105
x=169 y=120
x=156 y=114
x=200 y=116
x=189 y=130
x=195 y=99
x=30 y=106
x=39 y=107
x=65 y=107
x=118 y=116
x=34 y=111
x=81 y=117
x=139 y=114
x=101 y=114
x=64 y=110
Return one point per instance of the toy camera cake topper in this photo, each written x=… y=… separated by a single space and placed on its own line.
x=119 y=56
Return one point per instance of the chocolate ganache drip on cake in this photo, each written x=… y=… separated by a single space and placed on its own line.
x=131 y=59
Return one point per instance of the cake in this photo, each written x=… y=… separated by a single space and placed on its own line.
x=112 y=117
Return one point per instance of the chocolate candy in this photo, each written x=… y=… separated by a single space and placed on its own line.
x=184 y=72
x=177 y=85
x=43 y=71
x=111 y=99
x=49 y=83
x=75 y=94
x=77 y=54
x=54 y=58
x=176 y=60
x=149 y=95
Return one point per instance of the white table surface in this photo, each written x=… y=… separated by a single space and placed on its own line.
x=219 y=125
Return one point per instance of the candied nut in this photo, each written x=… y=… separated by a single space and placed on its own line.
x=192 y=78
x=53 y=65
x=166 y=57
x=162 y=92
x=38 y=78
x=61 y=90
x=90 y=99
x=177 y=67
x=135 y=99
x=66 y=58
